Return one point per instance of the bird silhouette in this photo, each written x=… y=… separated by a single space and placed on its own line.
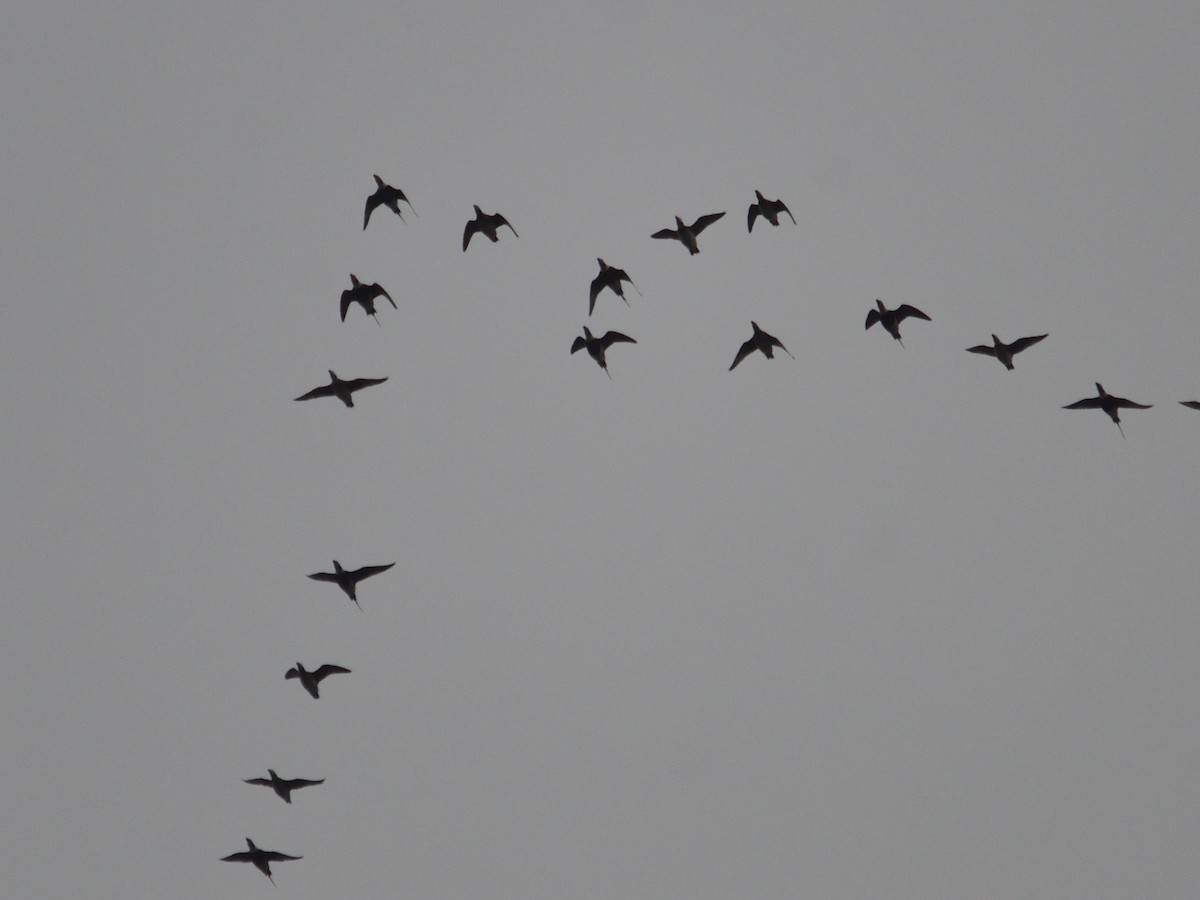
x=283 y=786
x=312 y=680
x=385 y=195
x=348 y=579
x=1109 y=404
x=1005 y=352
x=768 y=209
x=609 y=277
x=759 y=340
x=341 y=389
x=596 y=346
x=364 y=295
x=486 y=224
x=1191 y=404
x=686 y=234
x=891 y=318
x=261 y=859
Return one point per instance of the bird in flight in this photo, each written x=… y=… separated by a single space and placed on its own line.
x=348 y=579
x=609 y=277
x=760 y=340
x=891 y=318
x=364 y=295
x=261 y=859
x=385 y=195
x=486 y=225
x=1191 y=404
x=596 y=346
x=686 y=234
x=1005 y=352
x=341 y=389
x=312 y=680
x=283 y=786
x=768 y=209
x=1109 y=404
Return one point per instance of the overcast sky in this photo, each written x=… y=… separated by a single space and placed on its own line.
x=879 y=621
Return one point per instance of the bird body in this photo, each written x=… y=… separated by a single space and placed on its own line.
x=261 y=859
x=768 y=209
x=890 y=319
x=348 y=579
x=596 y=346
x=609 y=277
x=1005 y=352
x=759 y=340
x=364 y=295
x=283 y=786
x=341 y=389
x=1110 y=404
x=312 y=680
x=686 y=234
x=487 y=225
x=385 y=195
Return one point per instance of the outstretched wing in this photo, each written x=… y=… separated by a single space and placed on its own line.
x=704 y=221
x=615 y=337
x=243 y=856
x=328 y=669
x=294 y=783
x=368 y=571
x=780 y=206
x=751 y=215
x=347 y=299
x=1023 y=343
x=1129 y=404
x=500 y=220
x=594 y=292
x=776 y=342
x=666 y=234
x=872 y=317
x=904 y=311
x=266 y=781
x=984 y=349
x=326 y=390
x=384 y=293
x=275 y=856
x=1086 y=403
x=1191 y=404
x=373 y=201
x=323 y=576
x=357 y=384
x=472 y=227
x=578 y=344
x=745 y=350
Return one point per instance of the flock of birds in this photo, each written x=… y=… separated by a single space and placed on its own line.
x=613 y=279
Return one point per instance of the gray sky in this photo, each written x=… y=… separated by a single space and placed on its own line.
x=873 y=622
